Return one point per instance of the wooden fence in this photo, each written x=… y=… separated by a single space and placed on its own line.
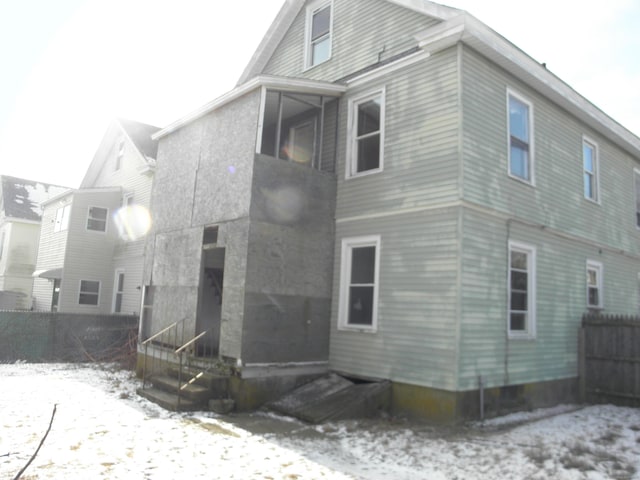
x=66 y=337
x=609 y=359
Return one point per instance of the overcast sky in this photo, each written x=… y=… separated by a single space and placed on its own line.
x=70 y=66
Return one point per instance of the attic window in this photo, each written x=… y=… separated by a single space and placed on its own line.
x=119 y=155
x=318 y=36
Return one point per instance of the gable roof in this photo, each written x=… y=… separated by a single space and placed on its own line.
x=22 y=199
x=140 y=135
x=290 y=11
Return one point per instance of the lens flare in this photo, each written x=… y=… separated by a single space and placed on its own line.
x=133 y=222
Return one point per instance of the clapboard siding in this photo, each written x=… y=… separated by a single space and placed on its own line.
x=364 y=33
x=421 y=155
x=561 y=301
x=51 y=250
x=417 y=309
x=557 y=199
x=89 y=254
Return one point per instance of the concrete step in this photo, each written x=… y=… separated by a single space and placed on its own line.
x=168 y=400
x=194 y=392
x=214 y=381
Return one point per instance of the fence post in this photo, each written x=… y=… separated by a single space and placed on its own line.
x=582 y=364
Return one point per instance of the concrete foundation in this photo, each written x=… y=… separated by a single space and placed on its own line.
x=445 y=407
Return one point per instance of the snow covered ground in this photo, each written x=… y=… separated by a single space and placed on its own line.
x=102 y=430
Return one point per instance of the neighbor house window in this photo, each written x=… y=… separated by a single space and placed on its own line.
x=97 y=219
x=119 y=155
x=127 y=199
x=366 y=134
x=89 y=292
x=590 y=167
x=118 y=291
x=636 y=177
x=359 y=283
x=520 y=136
x=594 y=284
x=521 y=284
x=62 y=218
x=318 y=43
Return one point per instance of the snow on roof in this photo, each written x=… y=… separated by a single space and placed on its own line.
x=20 y=198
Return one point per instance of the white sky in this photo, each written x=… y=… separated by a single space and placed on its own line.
x=70 y=66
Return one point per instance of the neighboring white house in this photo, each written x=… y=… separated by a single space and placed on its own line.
x=20 y=214
x=91 y=251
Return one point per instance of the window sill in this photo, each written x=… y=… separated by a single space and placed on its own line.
x=522 y=337
x=311 y=67
x=357 y=329
x=364 y=174
x=522 y=180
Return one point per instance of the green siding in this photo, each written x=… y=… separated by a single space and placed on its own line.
x=560 y=301
x=557 y=199
x=415 y=342
x=420 y=146
x=364 y=33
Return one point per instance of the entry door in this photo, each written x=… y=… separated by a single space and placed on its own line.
x=301 y=140
x=210 y=301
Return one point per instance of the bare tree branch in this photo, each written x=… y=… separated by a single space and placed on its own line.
x=39 y=446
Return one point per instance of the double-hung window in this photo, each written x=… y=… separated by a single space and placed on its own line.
x=97 y=219
x=89 y=292
x=590 y=168
x=318 y=43
x=359 y=283
x=522 y=294
x=366 y=134
x=520 y=138
x=594 y=284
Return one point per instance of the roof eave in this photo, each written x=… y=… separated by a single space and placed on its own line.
x=467 y=29
x=279 y=83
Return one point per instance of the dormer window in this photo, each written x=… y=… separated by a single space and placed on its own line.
x=318 y=37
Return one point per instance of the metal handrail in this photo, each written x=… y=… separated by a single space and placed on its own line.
x=179 y=352
x=190 y=342
x=164 y=330
x=146 y=343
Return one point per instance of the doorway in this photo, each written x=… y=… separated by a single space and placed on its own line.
x=210 y=301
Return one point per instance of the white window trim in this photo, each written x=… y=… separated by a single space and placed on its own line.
x=2 y=240
x=126 y=197
x=352 y=120
x=62 y=224
x=636 y=193
x=597 y=266
x=89 y=293
x=116 y=278
x=596 y=166
x=530 y=332
x=526 y=101
x=106 y=225
x=345 y=272
x=312 y=8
